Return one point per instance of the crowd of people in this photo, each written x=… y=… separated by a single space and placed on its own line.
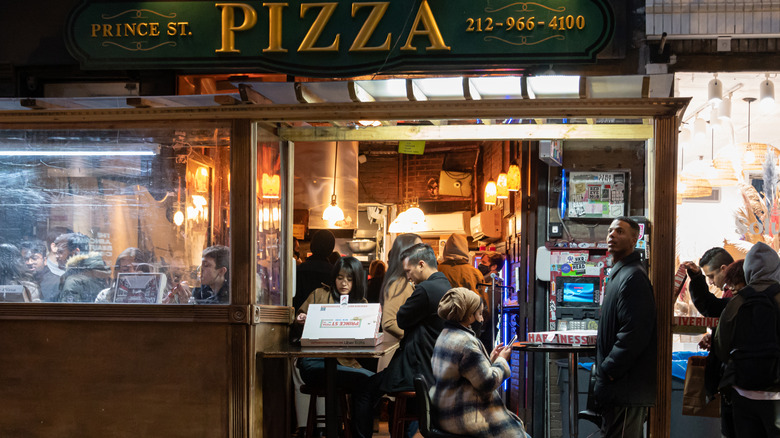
x=64 y=270
x=421 y=300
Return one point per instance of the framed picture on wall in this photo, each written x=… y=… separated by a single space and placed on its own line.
x=595 y=194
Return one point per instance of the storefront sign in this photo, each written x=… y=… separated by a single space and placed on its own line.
x=338 y=38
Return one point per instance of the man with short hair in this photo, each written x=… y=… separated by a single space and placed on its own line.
x=86 y=274
x=713 y=265
x=626 y=342
x=422 y=325
x=34 y=257
x=214 y=280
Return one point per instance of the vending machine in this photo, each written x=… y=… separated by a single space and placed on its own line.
x=576 y=285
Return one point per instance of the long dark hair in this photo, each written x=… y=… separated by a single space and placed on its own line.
x=352 y=267
x=12 y=269
x=395 y=266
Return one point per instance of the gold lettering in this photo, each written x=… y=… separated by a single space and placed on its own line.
x=183 y=25
x=307 y=45
x=275 y=27
x=171 y=28
x=430 y=28
x=129 y=29
x=107 y=30
x=145 y=30
x=154 y=29
x=378 y=11
x=229 y=24
x=95 y=30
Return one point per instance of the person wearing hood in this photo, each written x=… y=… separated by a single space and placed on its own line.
x=755 y=413
x=455 y=265
x=315 y=271
x=466 y=394
x=86 y=274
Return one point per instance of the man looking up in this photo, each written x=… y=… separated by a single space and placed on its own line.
x=418 y=318
x=626 y=342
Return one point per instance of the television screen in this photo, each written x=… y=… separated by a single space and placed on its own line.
x=578 y=292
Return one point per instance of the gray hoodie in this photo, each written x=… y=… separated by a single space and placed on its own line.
x=762 y=266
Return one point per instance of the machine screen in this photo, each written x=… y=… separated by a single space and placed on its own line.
x=578 y=293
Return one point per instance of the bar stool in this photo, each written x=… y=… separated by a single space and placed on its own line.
x=345 y=416
x=400 y=416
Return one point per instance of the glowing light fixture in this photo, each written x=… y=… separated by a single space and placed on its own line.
x=766 y=93
x=724 y=109
x=333 y=213
x=715 y=90
x=45 y=153
x=513 y=178
x=178 y=218
x=271 y=186
x=502 y=190
x=699 y=130
x=491 y=196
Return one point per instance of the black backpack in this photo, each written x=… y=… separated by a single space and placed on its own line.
x=754 y=359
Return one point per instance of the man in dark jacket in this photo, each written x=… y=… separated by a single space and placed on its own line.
x=626 y=345
x=315 y=271
x=712 y=269
x=34 y=257
x=419 y=319
x=86 y=274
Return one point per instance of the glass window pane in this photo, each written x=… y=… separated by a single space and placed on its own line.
x=115 y=215
x=269 y=223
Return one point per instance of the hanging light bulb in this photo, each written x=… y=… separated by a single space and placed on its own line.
x=767 y=94
x=178 y=218
x=715 y=90
x=490 y=193
x=513 y=178
x=333 y=213
x=502 y=190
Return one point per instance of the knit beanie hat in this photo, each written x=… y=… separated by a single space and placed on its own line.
x=458 y=303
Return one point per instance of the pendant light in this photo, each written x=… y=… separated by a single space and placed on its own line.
x=715 y=90
x=513 y=178
x=766 y=93
x=333 y=213
x=491 y=196
x=753 y=154
x=412 y=218
x=502 y=188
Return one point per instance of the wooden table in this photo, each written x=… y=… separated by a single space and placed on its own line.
x=331 y=355
x=574 y=351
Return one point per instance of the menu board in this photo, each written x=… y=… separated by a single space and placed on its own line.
x=596 y=195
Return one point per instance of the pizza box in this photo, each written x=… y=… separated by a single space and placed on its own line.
x=339 y=325
x=564 y=337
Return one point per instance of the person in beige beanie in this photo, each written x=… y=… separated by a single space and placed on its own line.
x=465 y=392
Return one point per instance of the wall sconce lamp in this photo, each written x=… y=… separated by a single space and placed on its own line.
x=513 y=178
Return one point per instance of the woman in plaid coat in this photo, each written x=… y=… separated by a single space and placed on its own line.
x=465 y=396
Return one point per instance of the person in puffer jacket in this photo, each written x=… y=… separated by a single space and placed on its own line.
x=85 y=276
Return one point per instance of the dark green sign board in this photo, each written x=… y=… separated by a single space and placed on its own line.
x=337 y=38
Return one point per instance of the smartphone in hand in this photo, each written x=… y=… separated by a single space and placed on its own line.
x=514 y=339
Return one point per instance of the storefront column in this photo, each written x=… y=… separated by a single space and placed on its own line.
x=663 y=210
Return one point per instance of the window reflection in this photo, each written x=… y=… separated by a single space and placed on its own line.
x=114 y=215
x=269 y=224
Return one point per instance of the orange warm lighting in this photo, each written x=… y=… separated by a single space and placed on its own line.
x=490 y=193
x=502 y=190
x=271 y=186
x=513 y=178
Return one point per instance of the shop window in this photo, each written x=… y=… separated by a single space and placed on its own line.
x=269 y=223
x=115 y=215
